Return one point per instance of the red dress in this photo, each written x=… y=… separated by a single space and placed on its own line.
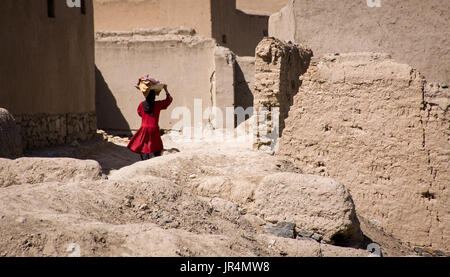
x=148 y=138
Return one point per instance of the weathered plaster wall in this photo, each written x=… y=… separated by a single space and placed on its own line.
x=47 y=69
x=223 y=89
x=368 y=121
x=415 y=32
x=190 y=64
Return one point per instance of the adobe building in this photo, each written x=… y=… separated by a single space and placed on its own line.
x=47 y=65
x=372 y=123
x=219 y=19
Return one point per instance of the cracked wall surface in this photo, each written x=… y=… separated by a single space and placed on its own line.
x=379 y=128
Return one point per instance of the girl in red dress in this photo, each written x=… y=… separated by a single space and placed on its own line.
x=147 y=140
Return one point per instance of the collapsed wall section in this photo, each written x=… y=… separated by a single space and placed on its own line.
x=369 y=122
x=278 y=67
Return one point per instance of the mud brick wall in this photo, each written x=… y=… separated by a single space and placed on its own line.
x=278 y=67
x=376 y=125
x=43 y=130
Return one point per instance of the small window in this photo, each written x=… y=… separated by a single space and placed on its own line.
x=83 y=6
x=224 y=38
x=51 y=8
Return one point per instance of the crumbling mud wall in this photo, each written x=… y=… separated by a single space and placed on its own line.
x=414 y=32
x=376 y=126
x=192 y=65
x=278 y=67
x=10 y=141
x=47 y=69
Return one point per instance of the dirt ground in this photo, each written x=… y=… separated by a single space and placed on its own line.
x=153 y=215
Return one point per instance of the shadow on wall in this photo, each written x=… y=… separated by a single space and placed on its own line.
x=235 y=29
x=292 y=83
x=294 y=87
x=243 y=95
x=109 y=116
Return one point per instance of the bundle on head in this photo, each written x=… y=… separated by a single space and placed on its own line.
x=146 y=84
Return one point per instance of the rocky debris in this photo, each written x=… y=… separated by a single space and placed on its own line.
x=282 y=229
x=376 y=126
x=113 y=139
x=41 y=170
x=308 y=248
x=304 y=234
x=439 y=253
x=10 y=139
x=317 y=237
x=256 y=222
x=428 y=252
